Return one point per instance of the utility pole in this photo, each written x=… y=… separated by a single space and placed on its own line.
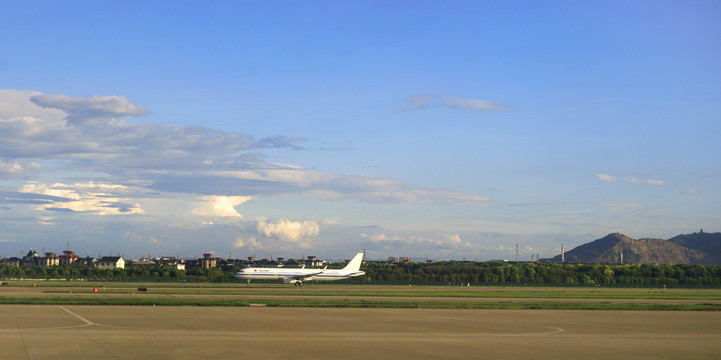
x=516 y=253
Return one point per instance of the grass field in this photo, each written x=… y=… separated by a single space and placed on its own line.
x=358 y=296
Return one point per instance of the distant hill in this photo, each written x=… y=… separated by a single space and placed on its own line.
x=708 y=243
x=697 y=248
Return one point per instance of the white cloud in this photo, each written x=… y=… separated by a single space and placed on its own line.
x=46 y=220
x=452 y=240
x=630 y=179
x=382 y=190
x=249 y=242
x=623 y=207
x=473 y=104
x=97 y=198
x=288 y=230
x=185 y=180
x=423 y=101
x=381 y=237
x=606 y=177
x=62 y=133
x=10 y=168
x=419 y=101
x=16 y=103
x=220 y=206
x=689 y=192
x=94 y=111
x=448 y=241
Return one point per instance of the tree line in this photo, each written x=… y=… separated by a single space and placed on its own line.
x=438 y=273
x=493 y=273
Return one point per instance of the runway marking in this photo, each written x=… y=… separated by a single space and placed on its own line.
x=86 y=321
x=22 y=337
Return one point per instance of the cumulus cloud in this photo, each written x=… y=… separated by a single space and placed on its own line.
x=248 y=242
x=288 y=230
x=47 y=134
x=90 y=197
x=96 y=110
x=77 y=134
x=16 y=103
x=8 y=169
x=381 y=237
x=220 y=205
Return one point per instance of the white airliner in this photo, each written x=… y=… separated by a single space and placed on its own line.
x=297 y=276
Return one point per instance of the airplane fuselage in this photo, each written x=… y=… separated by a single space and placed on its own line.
x=297 y=276
x=305 y=274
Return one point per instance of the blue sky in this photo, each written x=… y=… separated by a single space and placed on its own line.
x=407 y=128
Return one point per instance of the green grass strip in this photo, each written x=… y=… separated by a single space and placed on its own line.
x=141 y=301
x=120 y=301
x=401 y=293
x=492 y=305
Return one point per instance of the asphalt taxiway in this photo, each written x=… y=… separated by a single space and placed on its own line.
x=143 y=332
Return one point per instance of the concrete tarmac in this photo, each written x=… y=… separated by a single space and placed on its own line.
x=121 y=332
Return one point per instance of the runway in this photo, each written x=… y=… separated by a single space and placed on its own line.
x=121 y=332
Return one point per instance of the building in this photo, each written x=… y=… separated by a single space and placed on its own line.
x=399 y=260
x=86 y=261
x=313 y=261
x=68 y=257
x=48 y=260
x=13 y=261
x=30 y=259
x=208 y=262
x=142 y=263
x=170 y=262
x=110 y=262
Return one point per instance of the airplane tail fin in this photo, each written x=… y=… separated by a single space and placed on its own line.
x=354 y=265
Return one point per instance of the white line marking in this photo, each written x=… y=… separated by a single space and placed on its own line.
x=86 y=321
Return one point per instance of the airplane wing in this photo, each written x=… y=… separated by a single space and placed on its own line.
x=302 y=276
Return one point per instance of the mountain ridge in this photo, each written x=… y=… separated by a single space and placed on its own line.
x=689 y=249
